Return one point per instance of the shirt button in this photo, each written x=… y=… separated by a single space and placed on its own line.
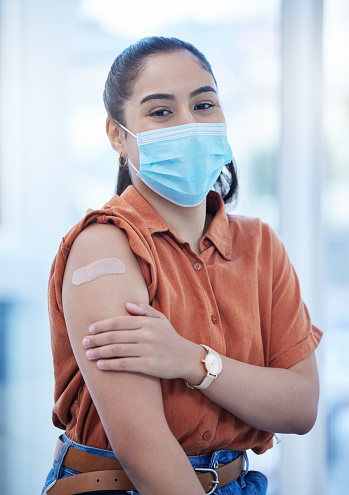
x=207 y=243
x=206 y=435
x=214 y=319
x=197 y=266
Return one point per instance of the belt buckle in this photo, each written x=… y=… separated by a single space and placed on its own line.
x=215 y=482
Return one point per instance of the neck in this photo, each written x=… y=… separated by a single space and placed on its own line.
x=189 y=223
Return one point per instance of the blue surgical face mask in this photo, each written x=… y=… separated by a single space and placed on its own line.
x=182 y=163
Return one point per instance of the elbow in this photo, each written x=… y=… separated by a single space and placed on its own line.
x=306 y=420
x=305 y=427
x=299 y=426
x=307 y=407
x=303 y=414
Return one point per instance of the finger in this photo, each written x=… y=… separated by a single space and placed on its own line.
x=142 y=309
x=113 y=351
x=131 y=364
x=112 y=337
x=116 y=323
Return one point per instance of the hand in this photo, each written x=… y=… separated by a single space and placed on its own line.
x=145 y=342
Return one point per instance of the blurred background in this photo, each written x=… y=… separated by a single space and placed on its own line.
x=283 y=76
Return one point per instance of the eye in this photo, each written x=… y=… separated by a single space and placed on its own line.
x=160 y=112
x=204 y=106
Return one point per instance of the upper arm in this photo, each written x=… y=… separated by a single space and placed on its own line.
x=106 y=295
x=116 y=394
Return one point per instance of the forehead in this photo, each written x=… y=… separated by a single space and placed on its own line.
x=170 y=73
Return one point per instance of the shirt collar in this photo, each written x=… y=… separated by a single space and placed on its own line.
x=218 y=232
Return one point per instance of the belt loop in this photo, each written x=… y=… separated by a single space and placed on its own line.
x=245 y=471
x=66 y=444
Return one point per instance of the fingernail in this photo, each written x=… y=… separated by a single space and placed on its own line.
x=89 y=353
x=86 y=342
x=92 y=329
x=100 y=364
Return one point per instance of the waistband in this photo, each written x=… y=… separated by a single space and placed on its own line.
x=99 y=469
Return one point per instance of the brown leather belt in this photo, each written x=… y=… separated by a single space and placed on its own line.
x=102 y=473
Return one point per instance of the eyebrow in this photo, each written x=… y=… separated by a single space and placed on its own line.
x=167 y=96
x=203 y=89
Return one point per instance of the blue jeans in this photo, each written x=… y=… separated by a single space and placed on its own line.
x=249 y=483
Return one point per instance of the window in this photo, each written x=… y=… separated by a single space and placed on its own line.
x=336 y=208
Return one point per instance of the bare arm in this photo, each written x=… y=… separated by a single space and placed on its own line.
x=270 y=399
x=129 y=404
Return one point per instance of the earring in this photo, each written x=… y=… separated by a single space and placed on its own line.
x=122 y=163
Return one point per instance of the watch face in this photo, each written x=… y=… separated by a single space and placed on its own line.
x=213 y=363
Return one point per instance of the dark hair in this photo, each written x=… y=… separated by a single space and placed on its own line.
x=119 y=86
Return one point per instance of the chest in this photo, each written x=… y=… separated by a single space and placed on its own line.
x=215 y=301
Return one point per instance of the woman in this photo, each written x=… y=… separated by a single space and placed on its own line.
x=179 y=336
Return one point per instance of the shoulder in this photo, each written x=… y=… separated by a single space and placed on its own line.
x=257 y=243
x=99 y=239
x=97 y=242
x=116 y=225
x=252 y=230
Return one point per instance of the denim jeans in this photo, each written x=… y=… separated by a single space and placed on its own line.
x=249 y=483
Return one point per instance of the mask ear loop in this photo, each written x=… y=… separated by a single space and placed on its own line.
x=122 y=164
x=125 y=129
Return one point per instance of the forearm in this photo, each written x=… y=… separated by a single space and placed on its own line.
x=136 y=427
x=157 y=465
x=270 y=399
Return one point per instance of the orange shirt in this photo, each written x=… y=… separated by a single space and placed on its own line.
x=240 y=297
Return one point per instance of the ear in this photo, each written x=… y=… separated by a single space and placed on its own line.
x=116 y=136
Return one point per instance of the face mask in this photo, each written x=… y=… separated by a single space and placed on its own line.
x=182 y=163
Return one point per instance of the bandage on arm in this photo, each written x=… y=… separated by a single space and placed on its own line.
x=97 y=269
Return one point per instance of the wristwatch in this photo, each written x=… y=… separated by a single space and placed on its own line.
x=212 y=364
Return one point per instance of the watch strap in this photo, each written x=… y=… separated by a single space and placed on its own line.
x=204 y=384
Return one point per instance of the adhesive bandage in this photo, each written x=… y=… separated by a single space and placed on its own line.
x=97 y=269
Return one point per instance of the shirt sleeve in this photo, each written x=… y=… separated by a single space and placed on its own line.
x=293 y=337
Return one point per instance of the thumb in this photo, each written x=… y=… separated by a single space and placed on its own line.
x=142 y=309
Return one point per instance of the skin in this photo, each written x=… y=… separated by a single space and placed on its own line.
x=123 y=346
